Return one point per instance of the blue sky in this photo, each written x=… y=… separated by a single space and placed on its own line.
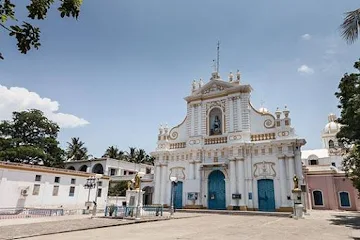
x=125 y=66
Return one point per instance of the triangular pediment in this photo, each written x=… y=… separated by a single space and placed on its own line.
x=213 y=86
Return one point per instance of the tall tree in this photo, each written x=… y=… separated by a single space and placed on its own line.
x=114 y=152
x=26 y=34
x=131 y=154
x=349 y=135
x=30 y=138
x=350 y=26
x=76 y=150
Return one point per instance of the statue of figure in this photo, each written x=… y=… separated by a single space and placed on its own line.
x=194 y=85
x=129 y=185
x=137 y=182
x=231 y=77
x=238 y=75
x=217 y=125
x=296 y=182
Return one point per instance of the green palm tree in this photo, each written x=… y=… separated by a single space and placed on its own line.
x=350 y=26
x=140 y=156
x=76 y=150
x=131 y=155
x=112 y=152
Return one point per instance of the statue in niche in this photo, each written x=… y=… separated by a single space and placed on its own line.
x=215 y=128
x=215 y=121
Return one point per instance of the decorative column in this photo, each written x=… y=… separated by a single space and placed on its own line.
x=298 y=166
x=231 y=118
x=241 y=181
x=157 y=184
x=192 y=120
x=163 y=184
x=283 y=184
x=191 y=170
x=291 y=166
x=239 y=113
x=249 y=179
x=199 y=118
x=232 y=181
x=197 y=170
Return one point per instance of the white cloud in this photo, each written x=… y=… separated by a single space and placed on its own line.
x=305 y=69
x=20 y=99
x=306 y=36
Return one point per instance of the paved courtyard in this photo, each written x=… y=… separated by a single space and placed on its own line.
x=319 y=225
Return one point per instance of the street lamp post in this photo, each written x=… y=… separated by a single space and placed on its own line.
x=173 y=181
x=90 y=184
x=140 y=175
x=97 y=176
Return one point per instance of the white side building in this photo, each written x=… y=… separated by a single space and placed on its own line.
x=226 y=154
x=29 y=186
x=108 y=166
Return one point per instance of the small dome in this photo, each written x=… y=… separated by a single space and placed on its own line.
x=263 y=110
x=332 y=126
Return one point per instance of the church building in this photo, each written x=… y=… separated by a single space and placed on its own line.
x=226 y=154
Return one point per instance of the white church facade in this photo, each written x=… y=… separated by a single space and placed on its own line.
x=227 y=155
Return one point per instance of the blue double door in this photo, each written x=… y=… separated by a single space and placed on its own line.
x=216 y=190
x=178 y=195
x=266 y=196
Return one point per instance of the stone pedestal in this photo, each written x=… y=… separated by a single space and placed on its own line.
x=132 y=198
x=298 y=206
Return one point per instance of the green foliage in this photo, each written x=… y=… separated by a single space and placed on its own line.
x=349 y=135
x=118 y=189
x=30 y=138
x=76 y=150
x=350 y=26
x=27 y=35
x=114 y=153
x=134 y=155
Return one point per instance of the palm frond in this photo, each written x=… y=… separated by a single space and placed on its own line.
x=350 y=26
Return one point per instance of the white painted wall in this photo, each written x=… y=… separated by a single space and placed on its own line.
x=13 y=181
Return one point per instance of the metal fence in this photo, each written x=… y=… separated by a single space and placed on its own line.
x=6 y=213
x=145 y=211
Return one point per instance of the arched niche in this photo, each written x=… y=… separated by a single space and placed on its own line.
x=98 y=168
x=216 y=122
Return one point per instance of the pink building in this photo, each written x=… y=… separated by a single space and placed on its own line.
x=327 y=187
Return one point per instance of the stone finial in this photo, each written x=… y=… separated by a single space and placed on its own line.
x=161 y=129
x=166 y=128
x=194 y=85
x=286 y=112
x=201 y=83
x=231 y=77
x=278 y=113
x=238 y=75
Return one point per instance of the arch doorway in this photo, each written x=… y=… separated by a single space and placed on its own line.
x=216 y=190
x=98 y=168
x=147 y=197
x=71 y=168
x=178 y=195
x=83 y=168
x=266 y=196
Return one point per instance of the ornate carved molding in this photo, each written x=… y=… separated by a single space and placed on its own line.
x=178 y=172
x=264 y=169
x=219 y=103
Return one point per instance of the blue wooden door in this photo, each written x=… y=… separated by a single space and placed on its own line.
x=266 y=195
x=178 y=195
x=216 y=189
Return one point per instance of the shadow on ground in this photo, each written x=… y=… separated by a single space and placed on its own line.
x=351 y=221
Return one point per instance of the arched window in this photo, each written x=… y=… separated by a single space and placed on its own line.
x=331 y=144
x=318 y=198
x=71 y=168
x=344 y=199
x=216 y=122
x=83 y=168
x=98 y=168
